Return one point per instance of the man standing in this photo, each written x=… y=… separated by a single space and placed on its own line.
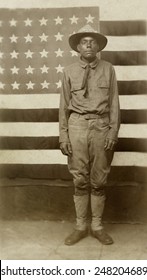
x=89 y=120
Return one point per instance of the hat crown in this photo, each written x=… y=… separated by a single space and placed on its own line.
x=87 y=29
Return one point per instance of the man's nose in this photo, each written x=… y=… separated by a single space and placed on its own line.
x=89 y=44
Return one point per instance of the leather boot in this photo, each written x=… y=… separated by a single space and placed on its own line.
x=81 y=207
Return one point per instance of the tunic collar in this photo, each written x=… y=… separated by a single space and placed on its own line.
x=93 y=64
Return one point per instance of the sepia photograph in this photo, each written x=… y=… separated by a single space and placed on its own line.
x=73 y=130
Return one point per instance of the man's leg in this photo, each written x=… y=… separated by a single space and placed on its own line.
x=78 y=165
x=100 y=161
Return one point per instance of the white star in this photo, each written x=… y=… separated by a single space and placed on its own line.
x=29 y=70
x=28 y=54
x=44 y=53
x=59 y=84
x=2 y=85
x=45 y=84
x=74 y=19
x=1 y=70
x=13 y=39
x=1 y=39
x=1 y=54
x=28 y=38
x=59 y=52
x=30 y=85
x=14 y=54
x=13 y=22
x=59 y=36
x=44 y=69
x=58 y=20
x=15 y=85
x=43 y=21
x=43 y=37
x=28 y=22
x=89 y=18
x=14 y=70
x=73 y=53
x=59 y=68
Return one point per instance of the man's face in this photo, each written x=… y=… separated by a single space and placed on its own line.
x=88 y=48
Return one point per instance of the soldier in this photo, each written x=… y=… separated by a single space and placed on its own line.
x=89 y=120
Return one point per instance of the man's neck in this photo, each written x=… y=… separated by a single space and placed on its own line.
x=89 y=60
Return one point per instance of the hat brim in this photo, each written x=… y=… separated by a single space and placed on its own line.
x=75 y=39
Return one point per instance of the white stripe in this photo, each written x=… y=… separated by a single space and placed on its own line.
x=130 y=73
x=126 y=43
x=116 y=10
x=31 y=101
x=52 y=129
x=55 y=157
x=51 y=101
x=133 y=102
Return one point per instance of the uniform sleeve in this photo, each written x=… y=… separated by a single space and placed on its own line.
x=114 y=108
x=63 y=110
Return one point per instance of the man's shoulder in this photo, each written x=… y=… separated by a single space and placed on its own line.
x=72 y=66
x=105 y=63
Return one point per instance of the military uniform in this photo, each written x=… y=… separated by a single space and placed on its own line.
x=89 y=114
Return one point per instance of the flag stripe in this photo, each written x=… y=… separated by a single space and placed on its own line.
x=52 y=143
x=55 y=157
x=126 y=43
x=52 y=129
x=130 y=27
x=125 y=57
x=51 y=115
x=51 y=101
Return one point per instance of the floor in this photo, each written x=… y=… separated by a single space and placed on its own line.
x=44 y=240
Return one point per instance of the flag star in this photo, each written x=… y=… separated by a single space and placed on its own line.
x=59 y=52
x=59 y=84
x=1 y=54
x=28 y=38
x=2 y=85
x=13 y=22
x=43 y=21
x=44 y=69
x=28 y=54
x=1 y=39
x=45 y=84
x=58 y=20
x=89 y=19
x=28 y=22
x=14 y=54
x=14 y=70
x=59 y=68
x=29 y=70
x=74 y=19
x=1 y=70
x=59 y=36
x=30 y=85
x=15 y=85
x=13 y=39
x=44 y=53
x=73 y=53
x=43 y=37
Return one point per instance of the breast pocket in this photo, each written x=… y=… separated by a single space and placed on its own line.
x=76 y=89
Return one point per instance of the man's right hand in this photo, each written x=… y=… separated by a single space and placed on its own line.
x=66 y=148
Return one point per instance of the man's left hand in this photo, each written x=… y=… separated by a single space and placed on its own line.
x=109 y=144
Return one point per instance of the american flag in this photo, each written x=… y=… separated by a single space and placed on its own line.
x=34 y=51
x=34 y=47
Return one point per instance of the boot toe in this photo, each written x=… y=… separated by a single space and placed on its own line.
x=76 y=236
x=103 y=237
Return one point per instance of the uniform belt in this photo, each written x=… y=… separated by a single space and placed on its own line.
x=91 y=116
